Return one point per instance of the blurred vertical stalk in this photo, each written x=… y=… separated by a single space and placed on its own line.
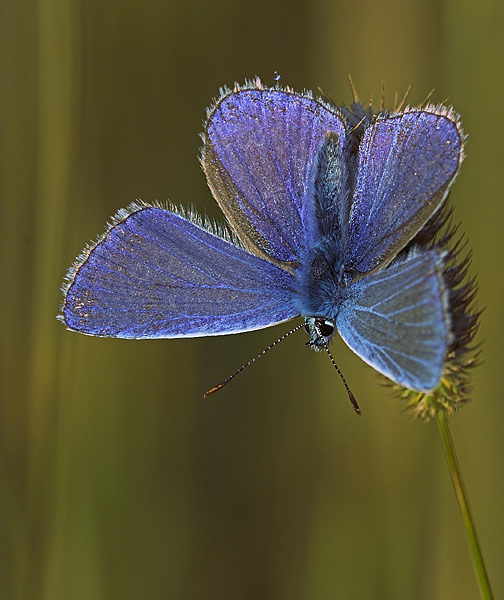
x=56 y=94
x=463 y=503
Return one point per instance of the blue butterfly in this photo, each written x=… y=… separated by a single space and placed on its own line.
x=321 y=203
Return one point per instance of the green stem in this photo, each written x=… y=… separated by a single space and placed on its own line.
x=460 y=491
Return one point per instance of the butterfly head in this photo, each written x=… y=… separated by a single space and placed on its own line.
x=320 y=330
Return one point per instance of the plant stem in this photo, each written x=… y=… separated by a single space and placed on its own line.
x=460 y=491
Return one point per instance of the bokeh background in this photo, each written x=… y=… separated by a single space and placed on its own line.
x=119 y=480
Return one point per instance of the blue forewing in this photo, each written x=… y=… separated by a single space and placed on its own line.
x=320 y=212
x=260 y=151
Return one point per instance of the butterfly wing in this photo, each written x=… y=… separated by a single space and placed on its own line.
x=260 y=146
x=407 y=163
x=155 y=274
x=397 y=321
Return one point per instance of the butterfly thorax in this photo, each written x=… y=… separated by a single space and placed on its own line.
x=322 y=284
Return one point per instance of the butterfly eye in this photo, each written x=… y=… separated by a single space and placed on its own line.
x=325 y=327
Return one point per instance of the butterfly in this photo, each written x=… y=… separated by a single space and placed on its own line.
x=322 y=204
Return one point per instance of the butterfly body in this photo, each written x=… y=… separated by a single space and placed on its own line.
x=323 y=204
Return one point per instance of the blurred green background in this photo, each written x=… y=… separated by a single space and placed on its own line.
x=119 y=480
